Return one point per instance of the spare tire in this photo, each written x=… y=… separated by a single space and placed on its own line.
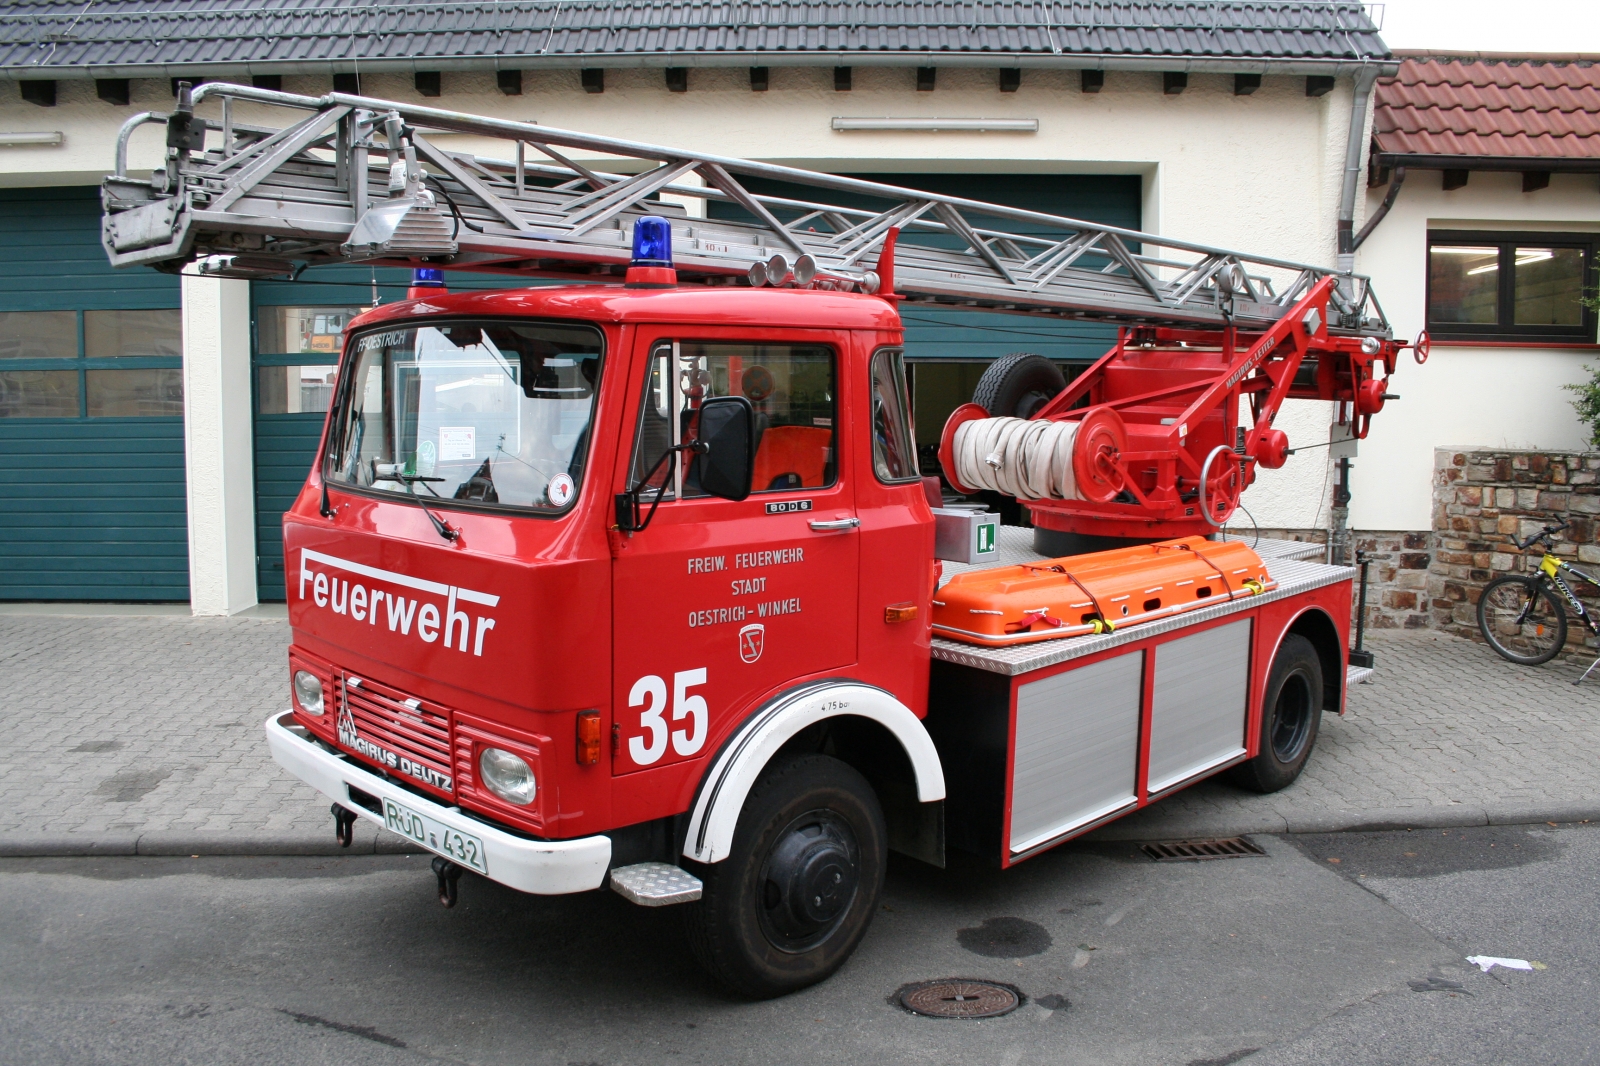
x=1018 y=385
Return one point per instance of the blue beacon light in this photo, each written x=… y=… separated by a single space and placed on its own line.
x=426 y=281
x=651 y=266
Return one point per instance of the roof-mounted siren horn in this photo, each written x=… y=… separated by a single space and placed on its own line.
x=651 y=266
x=805 y=273
x=425 y=282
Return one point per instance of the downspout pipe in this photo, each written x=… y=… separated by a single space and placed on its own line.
x=1365 y=78
x=1397 y=179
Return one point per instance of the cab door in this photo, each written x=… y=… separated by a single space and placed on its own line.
x=717 y=603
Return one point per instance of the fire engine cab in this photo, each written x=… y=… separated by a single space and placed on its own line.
x=637 y=585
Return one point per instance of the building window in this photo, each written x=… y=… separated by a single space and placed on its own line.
x=91 y=364
x=1511 y=287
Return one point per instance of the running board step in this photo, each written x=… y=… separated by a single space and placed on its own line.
x=655 y=884
x=1356 y=675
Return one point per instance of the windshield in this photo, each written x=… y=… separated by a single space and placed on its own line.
x=483 y=412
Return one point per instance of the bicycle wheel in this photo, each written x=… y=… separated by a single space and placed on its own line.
x=1521 y=620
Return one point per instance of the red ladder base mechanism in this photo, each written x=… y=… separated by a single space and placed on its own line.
x=1148 y=443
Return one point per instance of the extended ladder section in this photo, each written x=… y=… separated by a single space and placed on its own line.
x=1147 y=443
x=356 y=179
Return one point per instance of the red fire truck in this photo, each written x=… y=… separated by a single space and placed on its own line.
x=631 y=583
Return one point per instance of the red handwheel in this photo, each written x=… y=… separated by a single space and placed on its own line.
x=1423 y=346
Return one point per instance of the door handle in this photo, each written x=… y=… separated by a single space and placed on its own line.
x=829 y=527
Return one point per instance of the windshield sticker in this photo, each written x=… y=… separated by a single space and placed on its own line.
x=457 y=442
x=394 y=338
x=440 y=614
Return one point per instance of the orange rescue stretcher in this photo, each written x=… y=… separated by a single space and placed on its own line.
x=1096 y=593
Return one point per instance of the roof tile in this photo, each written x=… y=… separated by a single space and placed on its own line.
x=43 y=35
x=1516 y=109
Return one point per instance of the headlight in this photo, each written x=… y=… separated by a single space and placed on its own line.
x=507 y=776
x=308 y=691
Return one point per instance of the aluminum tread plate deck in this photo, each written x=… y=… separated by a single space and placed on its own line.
x=1293 y=576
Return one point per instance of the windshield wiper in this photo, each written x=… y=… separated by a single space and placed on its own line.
x=444 y=529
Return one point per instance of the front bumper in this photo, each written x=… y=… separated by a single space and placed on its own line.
x=541 y=867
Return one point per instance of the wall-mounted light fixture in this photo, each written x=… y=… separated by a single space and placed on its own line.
x=18 y=140
x=939 y=125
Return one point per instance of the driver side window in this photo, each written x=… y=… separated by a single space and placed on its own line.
x=790 y=386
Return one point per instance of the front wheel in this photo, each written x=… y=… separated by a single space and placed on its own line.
x=792 y=901
x=1290 y=714
x=1522 y=620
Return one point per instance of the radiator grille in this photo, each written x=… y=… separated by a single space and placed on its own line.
x=406 y=735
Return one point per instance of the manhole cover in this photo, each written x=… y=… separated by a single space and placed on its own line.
x=959 y=997
x=1196 y=850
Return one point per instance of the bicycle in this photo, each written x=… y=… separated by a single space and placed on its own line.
x=1521 y=616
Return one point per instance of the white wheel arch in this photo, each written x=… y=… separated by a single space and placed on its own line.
x=733 y=773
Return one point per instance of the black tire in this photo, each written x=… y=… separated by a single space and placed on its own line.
x=1291 y=713
x=1522 y=620
x=795 y=897
x=1018 y=384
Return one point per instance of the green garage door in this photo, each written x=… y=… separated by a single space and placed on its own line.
x=91 y=412
x=948 y=349
x=299 y=331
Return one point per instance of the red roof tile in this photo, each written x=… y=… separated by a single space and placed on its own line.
x=1473 y=106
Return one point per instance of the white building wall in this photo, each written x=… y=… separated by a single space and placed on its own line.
x=1464 y=395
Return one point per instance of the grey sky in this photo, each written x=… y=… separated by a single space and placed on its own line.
x=1493 y=25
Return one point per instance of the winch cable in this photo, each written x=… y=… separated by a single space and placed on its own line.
x=1026 y=458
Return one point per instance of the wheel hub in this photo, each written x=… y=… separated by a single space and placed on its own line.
x=809 y=881
x=1291 y=719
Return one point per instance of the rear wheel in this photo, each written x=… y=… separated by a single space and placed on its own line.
x=1522 y=620
x=1290 y=715
x=790 y=904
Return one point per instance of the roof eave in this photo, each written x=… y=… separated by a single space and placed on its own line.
x=1383 y=66
x=1532 y=164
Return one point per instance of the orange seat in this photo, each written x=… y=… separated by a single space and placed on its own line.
x=798 y=450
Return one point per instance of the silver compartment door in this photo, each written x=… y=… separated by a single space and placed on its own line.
x=1199 y=706
x=1077 y=749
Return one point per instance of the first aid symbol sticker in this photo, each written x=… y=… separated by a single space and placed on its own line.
x=986 y=538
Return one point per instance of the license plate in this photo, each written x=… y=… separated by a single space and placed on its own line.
x=453 y=844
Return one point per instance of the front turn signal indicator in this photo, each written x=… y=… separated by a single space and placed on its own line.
x=588 y=738
x=900 y=612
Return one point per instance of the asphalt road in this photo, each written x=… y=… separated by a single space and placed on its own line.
x=1284 y=959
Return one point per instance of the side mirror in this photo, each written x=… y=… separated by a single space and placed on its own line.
x=728 y=439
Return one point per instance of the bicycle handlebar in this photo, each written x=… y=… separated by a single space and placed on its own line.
x=1543 y=534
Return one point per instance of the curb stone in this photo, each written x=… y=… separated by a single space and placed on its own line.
x=377 y=842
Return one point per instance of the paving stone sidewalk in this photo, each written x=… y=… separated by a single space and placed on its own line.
x=143 y=734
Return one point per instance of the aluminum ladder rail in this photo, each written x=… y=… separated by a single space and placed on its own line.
x=355 y=180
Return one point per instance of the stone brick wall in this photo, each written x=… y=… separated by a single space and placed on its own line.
x=1397 y=574
x=1481 y=499
x=1397 y=577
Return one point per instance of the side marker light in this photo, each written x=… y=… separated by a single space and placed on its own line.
x=900 y=612
x=588 y=738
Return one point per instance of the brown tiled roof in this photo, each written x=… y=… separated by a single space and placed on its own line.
x=1481 y=107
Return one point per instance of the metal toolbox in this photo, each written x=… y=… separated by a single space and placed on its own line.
x=964 y=535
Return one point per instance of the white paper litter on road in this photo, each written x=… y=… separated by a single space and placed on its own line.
x=1489 y=962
